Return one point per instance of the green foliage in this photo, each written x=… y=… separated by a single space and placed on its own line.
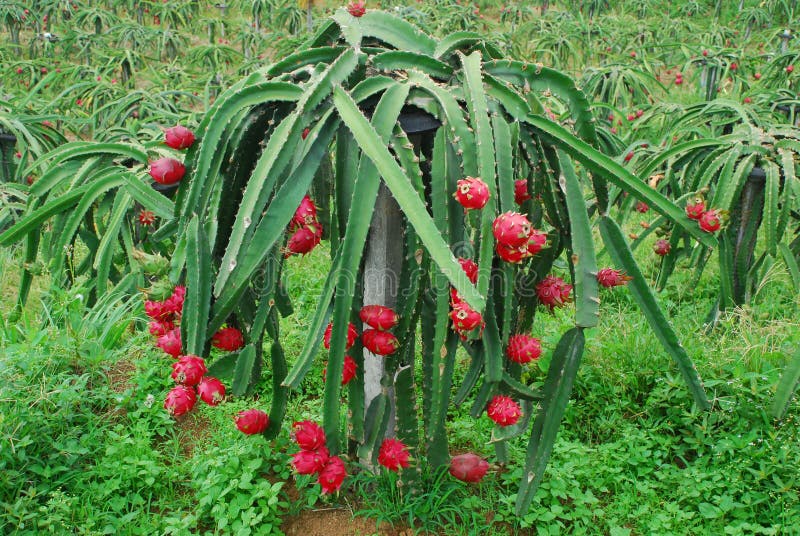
x=231 y=493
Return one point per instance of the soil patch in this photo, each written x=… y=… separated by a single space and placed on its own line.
x=337 y=522
x=119 y=375
x=193 y=429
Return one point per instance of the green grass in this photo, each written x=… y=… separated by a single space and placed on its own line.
x=632 y=458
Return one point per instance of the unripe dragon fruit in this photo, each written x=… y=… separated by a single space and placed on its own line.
x=179 y=137
x=305 y=214
x=252 y=421
x=662 y=247
x=170 y=342
x=465 y=318
x=503 y=410
x=468 y=467
x=332 y=475
x=523 y=348
x=228 y=339
x=553 y=292
x=309 y=462
x=511 y=229
x=167 y=170
x=188 y=370
x=696 y=208
x=379 y=342
x=472 y=193
x=521 y=191
x=608 y=277
x=352 y=335
x=211 y=390
x=180 y=400
x=379 y=317
x=308 y=435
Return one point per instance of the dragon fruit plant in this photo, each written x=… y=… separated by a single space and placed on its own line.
x=733 y=169
x=97 y=201
x=490 y=202
x=307 y=143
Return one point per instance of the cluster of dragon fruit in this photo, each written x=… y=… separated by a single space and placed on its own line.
x=516 y=240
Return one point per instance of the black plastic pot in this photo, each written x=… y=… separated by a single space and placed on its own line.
x=743 y=232
x=7 y=164
x=167 y=190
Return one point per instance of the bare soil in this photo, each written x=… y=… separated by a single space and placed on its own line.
x=337 y=522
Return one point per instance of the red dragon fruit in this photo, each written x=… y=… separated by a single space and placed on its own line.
x=309 y=462
x=211 y=390
x=174 y=304
x=228 y=339
x=468 y=467
x=511 y=254
x=553 y=292
x=158 y=328
x=523 y=348
x=352 y=335
x=503 y=410
x=379 y=317
x=357 y=9
x=711 y=220
x=305 y=214
x=536 y=241
x=695 y=208
x=252 y=421
x=465 y=318
x=180 y=400
x=179 y=137
x=608 y=277
x=349 y=369
x=170 y=342
x=511 y=229
x=332 y=475
x=158 y=311
x=393 y=454
x=188 y=370
x=303 y=240
x=662 y=247
x=521 y=191
x=379 y=342
x=167 y=170
x=472 y=193
x=308 y=435
x=470 y=268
